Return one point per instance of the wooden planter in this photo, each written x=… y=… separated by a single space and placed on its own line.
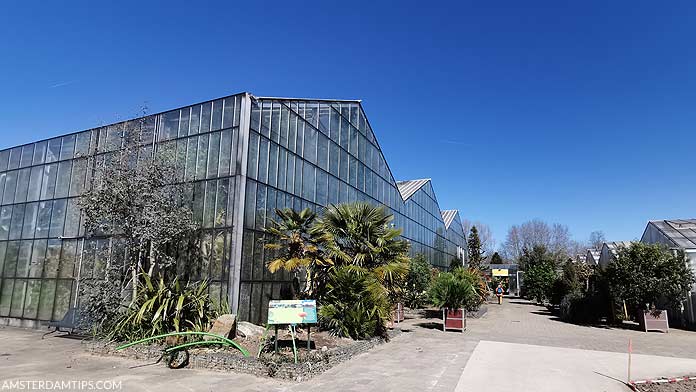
x=655 y=320
x=454 y=319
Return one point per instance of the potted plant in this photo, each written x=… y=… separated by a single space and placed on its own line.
x=450 y=293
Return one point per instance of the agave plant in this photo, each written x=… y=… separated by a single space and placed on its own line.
x=161 y=308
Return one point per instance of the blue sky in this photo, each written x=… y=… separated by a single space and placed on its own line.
x=581 y=113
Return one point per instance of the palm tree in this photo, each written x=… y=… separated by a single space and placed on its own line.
x=361 y=237
x=298 y=244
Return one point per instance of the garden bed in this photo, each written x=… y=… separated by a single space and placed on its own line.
x=327 y=352
x=677 y=386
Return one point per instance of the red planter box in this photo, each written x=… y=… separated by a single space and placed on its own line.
x=454 y=319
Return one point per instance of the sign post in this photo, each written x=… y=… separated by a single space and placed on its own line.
x=292 y=313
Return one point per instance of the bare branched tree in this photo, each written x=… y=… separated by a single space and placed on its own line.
x=134 y=197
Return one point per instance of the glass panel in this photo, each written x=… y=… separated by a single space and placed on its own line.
x=51 y=258
x=63 y=297
x=68 y=149
x=40 y=153
x=205 y=116
x=10 y=187
x=252 y=161
x=191 y=158
x=11 y=255
x=63 y=179
x=4 y=156
x=82 y=144
x=72 y=219
x=322 y=151
x=53 y=152
x=17 y=307
x=273 y=165
x=221 y=208
x=249 y=204
x=195 y=124
x=6 y=296
x=275 y=122
x=184 y=122
x=57 y=218
x=209 y=209
x=15 y=157
x=3 y=249
x=67 y=257
x=34 y=191
x=17 y=221
x=24 y=259
x=228 y=118
x=202 y=157
x=169 y=124
x=48 y=292
x=22 y=185
x=44 y=219
x=30 y=220
x=263 y=160
x=213 y=155
x=79 y=173
x=27 y=155
x=225 y=153
x=38 y=256
x=308 y=185
x=48 y=183
x=217 y=115
x=5 y=219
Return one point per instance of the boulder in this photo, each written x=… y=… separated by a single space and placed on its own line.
x=247 y=329
x=223 y=326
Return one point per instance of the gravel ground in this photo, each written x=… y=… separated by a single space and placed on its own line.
x=680 y=386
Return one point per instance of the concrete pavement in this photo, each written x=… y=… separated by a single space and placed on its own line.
x=539 y=369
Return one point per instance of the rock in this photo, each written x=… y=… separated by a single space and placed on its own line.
x=247 y=329
x=223 y=326
x=324 y=349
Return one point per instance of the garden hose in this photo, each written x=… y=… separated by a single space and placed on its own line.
x=221 y=340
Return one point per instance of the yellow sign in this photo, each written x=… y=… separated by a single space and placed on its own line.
x=500 y=272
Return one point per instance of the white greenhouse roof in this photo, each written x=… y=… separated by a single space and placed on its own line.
x=681 y=232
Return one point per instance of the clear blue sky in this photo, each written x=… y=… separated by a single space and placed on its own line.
x=582 y=113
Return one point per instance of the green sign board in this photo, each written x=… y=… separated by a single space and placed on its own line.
x=292 y=312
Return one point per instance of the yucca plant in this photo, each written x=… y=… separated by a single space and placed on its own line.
x=161 y=307
x=449 y=291
x=476 y=279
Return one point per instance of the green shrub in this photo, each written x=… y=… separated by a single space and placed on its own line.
x=449 y=291
x=355 y=305
x=582 y=308
x=161 y=308
x=417 y=282
x=477 y=281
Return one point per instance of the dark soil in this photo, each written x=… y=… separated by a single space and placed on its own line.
x=318 y=340
x=679 y=386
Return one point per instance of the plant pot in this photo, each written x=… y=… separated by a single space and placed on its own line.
x=454 y=319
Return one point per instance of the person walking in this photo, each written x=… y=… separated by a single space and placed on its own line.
x=499 y=292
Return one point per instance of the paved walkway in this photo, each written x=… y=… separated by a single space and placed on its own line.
x=520 y=321
x=423 y=358
x=552 y=369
